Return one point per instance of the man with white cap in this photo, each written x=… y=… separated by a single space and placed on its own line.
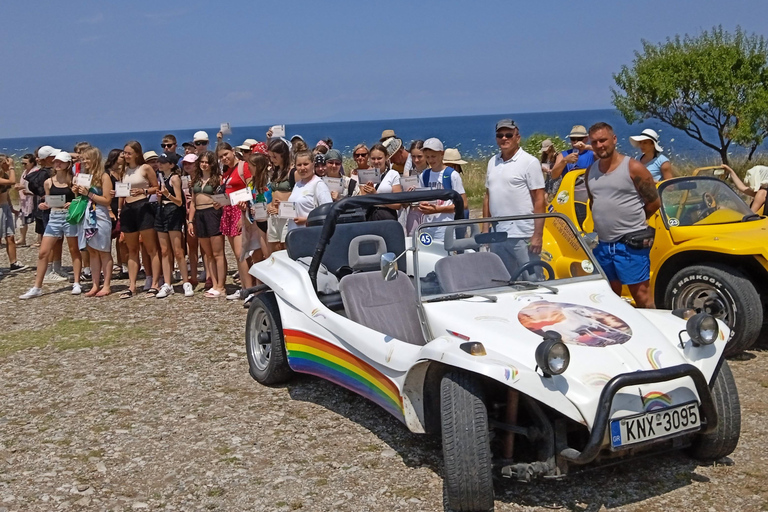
x=200 y=140
x=514 y=185
x=656 y=163
x=438 y=176
x=579 y=157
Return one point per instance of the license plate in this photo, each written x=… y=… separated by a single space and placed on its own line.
x=655 y=424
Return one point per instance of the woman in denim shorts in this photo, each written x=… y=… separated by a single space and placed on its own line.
x=55 y=187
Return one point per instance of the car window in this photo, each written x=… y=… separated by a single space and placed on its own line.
x=462 y=257
x=700 y=201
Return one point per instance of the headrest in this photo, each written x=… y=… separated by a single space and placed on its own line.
x=366 y=261
x=451 y=243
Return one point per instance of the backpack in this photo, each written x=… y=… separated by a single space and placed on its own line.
x=446 y=178
x=36 y=181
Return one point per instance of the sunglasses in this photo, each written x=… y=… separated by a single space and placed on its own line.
x=505 y=135
x=360 y=155
x=167 y=145
x=201 y=143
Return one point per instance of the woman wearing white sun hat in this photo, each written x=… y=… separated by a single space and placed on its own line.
x=658 y=164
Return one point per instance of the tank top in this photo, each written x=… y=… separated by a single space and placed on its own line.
x=62 y=191
x=170 y=188
x=617 y=208
x=232 y=180
x=137 y=180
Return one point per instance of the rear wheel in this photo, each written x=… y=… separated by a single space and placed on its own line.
x=724 y=293
x=468 y=482
x=723 y=440
x=264 y=343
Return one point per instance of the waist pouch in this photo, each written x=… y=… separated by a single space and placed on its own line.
x=642 y=239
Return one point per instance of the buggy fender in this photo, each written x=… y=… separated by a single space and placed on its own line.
x=495 y=366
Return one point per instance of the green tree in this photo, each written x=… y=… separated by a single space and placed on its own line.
x=711 y=86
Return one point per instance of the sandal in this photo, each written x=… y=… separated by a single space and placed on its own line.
x=153 y=291
x=127 y=294
x=212 y=294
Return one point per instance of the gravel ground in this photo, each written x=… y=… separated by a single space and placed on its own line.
x=147 y=404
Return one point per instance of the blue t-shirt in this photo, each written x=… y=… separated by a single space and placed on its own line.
x=655 y=166
x=586 y=158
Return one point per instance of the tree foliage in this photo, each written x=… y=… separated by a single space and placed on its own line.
x=532 y=144
x=711 y=86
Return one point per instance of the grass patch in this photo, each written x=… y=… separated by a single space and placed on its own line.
x=215 y=492
x=69 y=335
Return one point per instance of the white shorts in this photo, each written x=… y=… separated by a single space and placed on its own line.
x=277 y=229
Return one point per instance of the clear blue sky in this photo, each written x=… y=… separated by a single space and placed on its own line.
x=96 y=66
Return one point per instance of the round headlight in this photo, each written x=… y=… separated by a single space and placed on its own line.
x=702 y=329
x=552 y=355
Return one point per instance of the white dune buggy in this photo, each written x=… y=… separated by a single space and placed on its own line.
x=525 y=371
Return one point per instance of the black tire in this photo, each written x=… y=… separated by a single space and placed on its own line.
x=264 y=343
x=723 y=292
x=468 y=481
x=722 y=441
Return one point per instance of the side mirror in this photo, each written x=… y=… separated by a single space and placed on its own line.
x=389 y=266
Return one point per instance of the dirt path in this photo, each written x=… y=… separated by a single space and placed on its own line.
x=147 y=404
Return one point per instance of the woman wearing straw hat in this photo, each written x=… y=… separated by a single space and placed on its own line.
x=658 y=164
x=452 y=158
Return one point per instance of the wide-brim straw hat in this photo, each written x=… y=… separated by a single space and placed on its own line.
x=646 y=134
x=452 y=156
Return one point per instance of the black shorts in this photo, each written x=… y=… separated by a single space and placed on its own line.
x=39 y=226
x=170 y=218
x=137 y=216
x=208 y=222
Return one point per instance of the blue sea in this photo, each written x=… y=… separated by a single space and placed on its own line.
x=473 y=135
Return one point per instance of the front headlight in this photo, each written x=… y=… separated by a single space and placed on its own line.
x=552 y=355
x=702 y=328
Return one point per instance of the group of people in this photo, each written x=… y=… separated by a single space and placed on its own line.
x=167 y=211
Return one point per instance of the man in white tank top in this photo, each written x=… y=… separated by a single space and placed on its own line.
x=617 y=183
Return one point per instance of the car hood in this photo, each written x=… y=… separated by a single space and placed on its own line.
x=739 y=238
x=605 y=335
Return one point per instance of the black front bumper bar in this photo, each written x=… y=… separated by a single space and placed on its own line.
x=602 y=418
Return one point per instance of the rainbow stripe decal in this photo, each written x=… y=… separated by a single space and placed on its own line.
x=656 y=400
x=654 y=357
x=315 y=356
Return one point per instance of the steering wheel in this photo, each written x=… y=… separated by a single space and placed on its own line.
x=709 y=199
x=533 y=264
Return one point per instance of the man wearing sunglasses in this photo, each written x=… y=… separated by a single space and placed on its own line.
x=200 y=140
x=169 y=144
x=580 y=156
x=514 y=185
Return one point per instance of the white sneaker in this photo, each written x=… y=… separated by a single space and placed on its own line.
x=53 y=277
x=165 y=291
x=188 y=290
x=234 y=295
x=32 y=293
x=76 y=289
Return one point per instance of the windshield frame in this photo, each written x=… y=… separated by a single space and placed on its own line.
x=666 y=183
x=415 y=244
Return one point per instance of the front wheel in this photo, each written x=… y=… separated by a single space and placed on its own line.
x=264 y=343
x=724 y=293
x=723 y=440
x=468 y=484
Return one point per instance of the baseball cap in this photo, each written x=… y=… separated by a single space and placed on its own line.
x=546 y=144
x=201 y=135
x=319 y=159
x=63 y=156
x=333 y=154
x=433 y=144
x=187 y=145
x=150 y=155
x=172 y=158
x=506 y=123
x=191 y=158
x=393 y=145
x=246 y=145
x=47 y=151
